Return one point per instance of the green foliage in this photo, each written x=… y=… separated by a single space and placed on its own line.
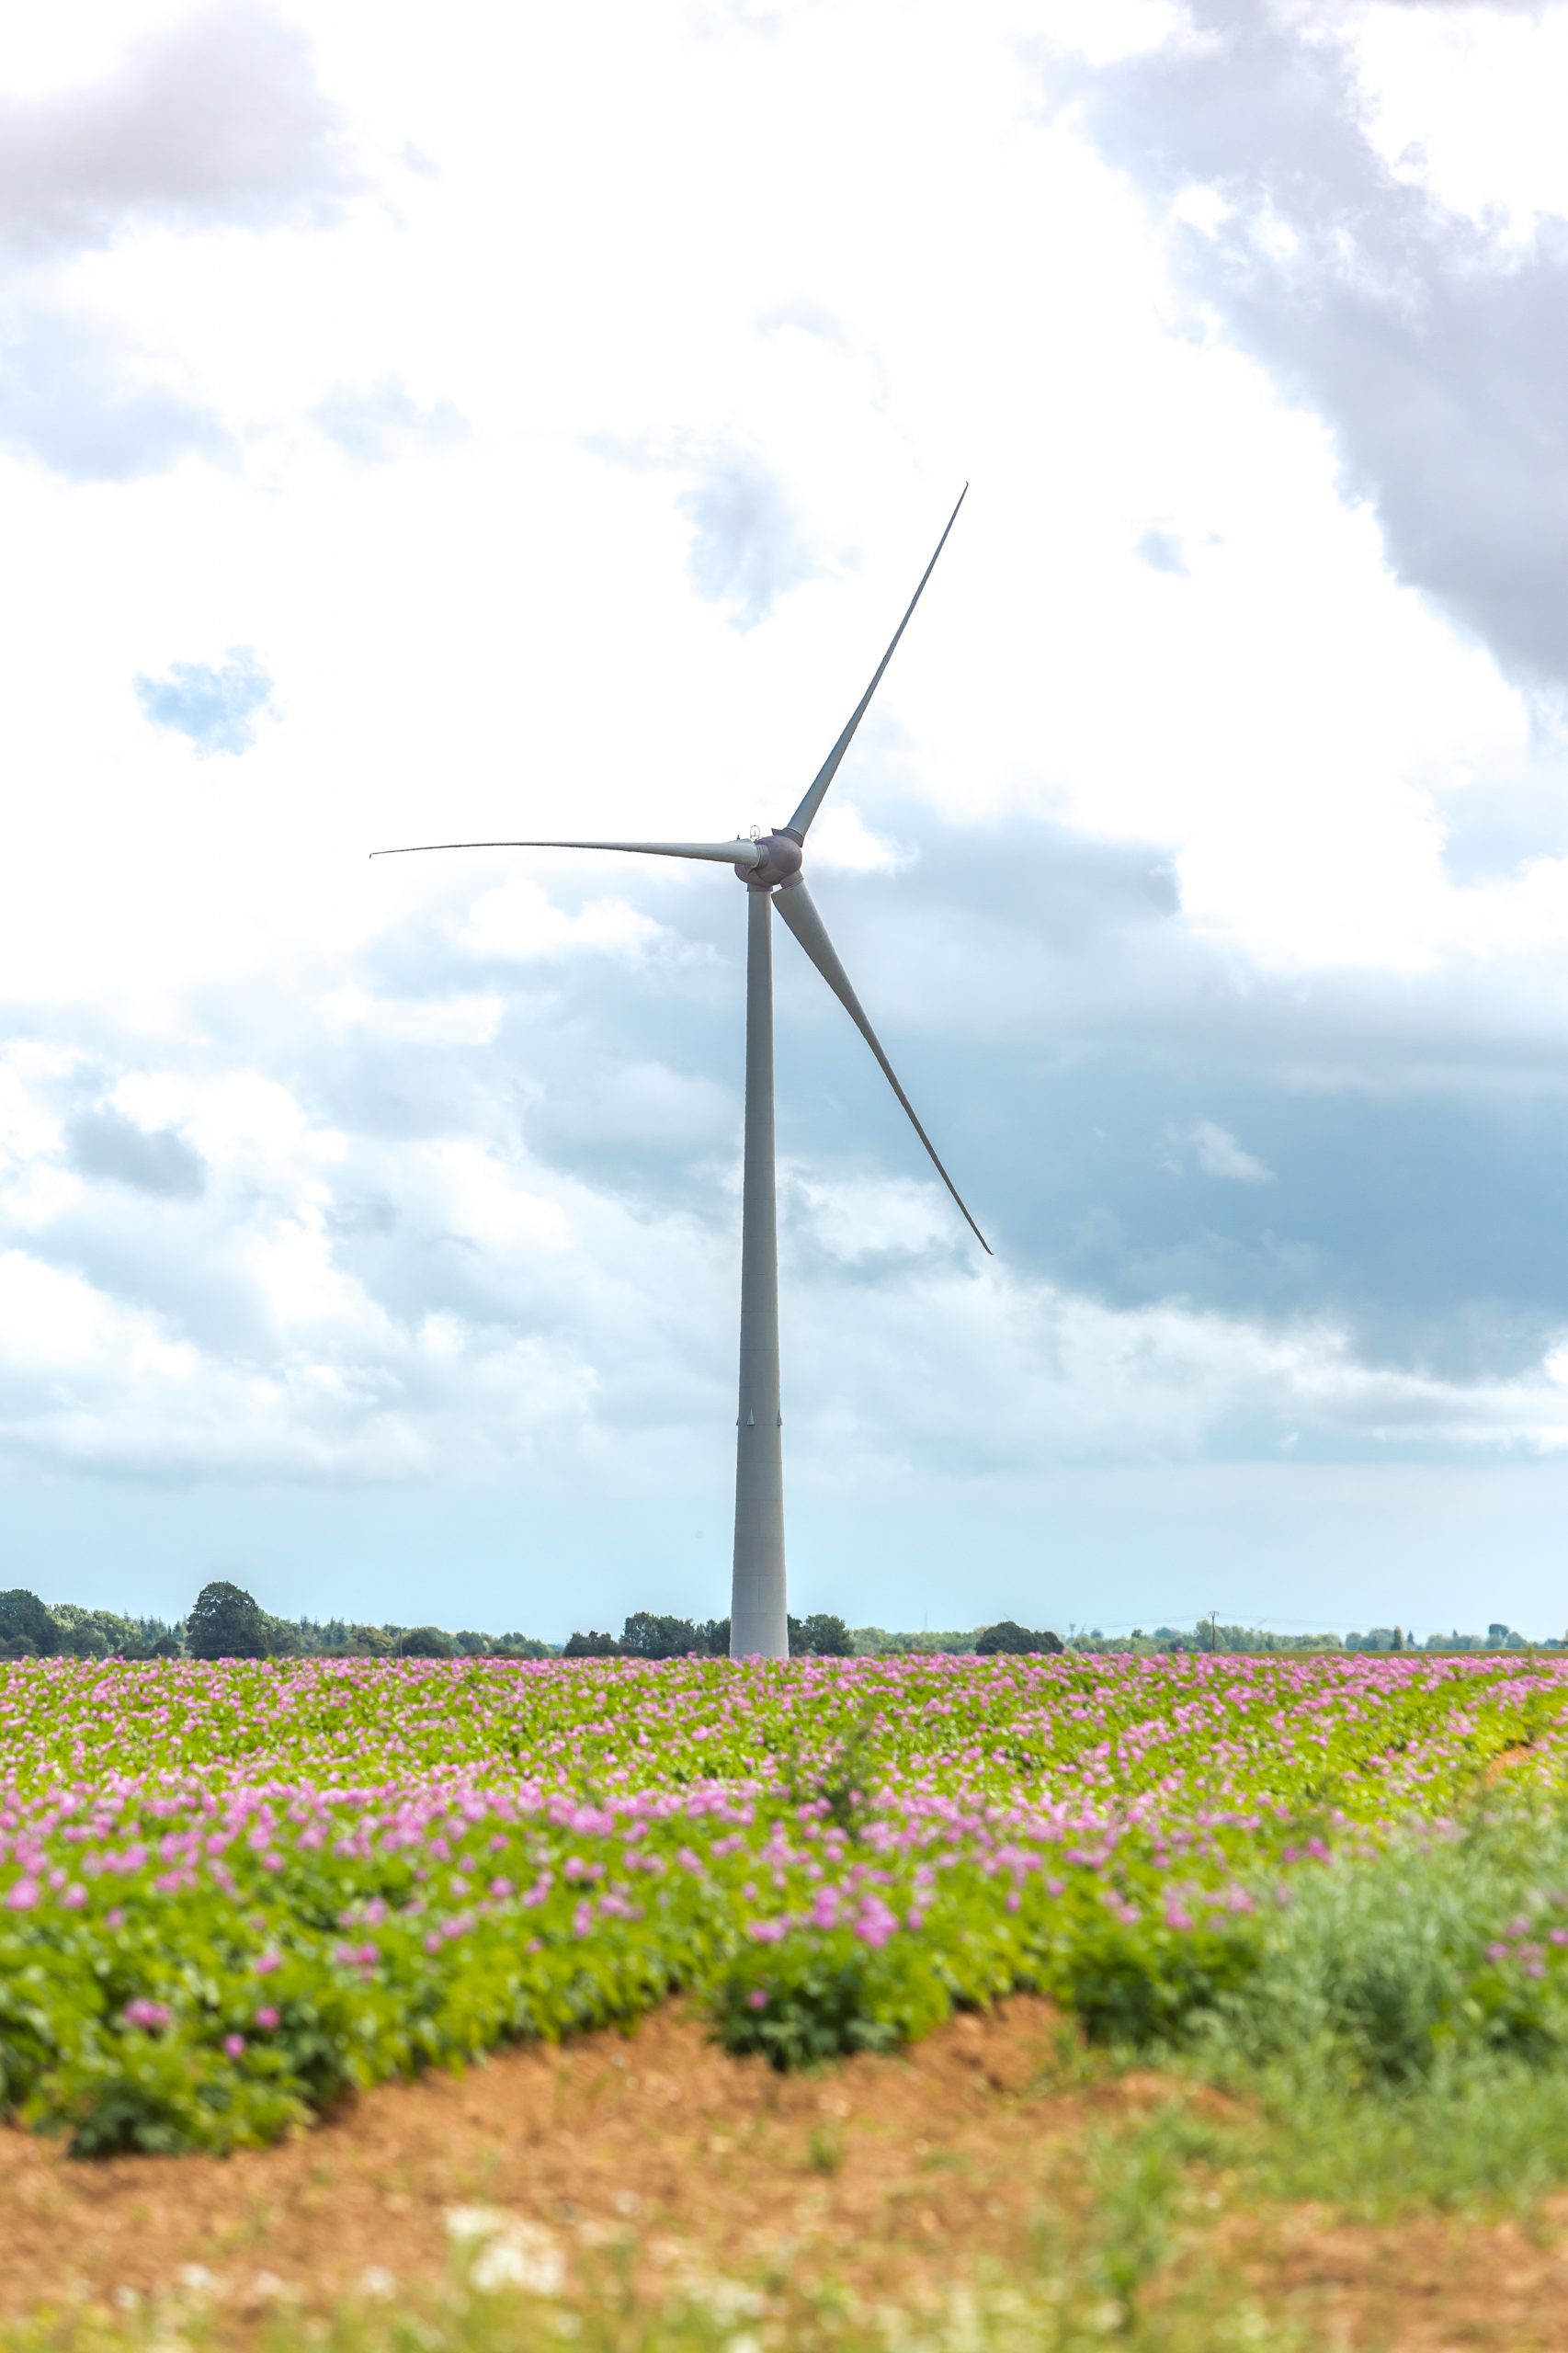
x=366 y=1641
x=103 y=1633
x=79 y=1636
x=226 y=1622
x=1007 y=1636
x=424 y=1642
x=27 y=1626
x=1442 y=1942
x=1147 y=1982
x=812 y=1999
x=159 y=2095
x=646 y=1635
x=592 y=1645
x=877 y=1641
x=820 y=1636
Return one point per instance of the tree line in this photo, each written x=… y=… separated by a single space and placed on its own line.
x=225 y=1621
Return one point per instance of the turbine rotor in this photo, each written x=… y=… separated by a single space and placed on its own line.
x=778 y=860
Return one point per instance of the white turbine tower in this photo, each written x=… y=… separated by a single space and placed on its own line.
x=770 y=868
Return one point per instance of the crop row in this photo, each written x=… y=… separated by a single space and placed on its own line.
x=231 y=1893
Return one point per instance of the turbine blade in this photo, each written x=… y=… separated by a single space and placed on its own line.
x=801 y=821
x=736 y=853
x=798 y=909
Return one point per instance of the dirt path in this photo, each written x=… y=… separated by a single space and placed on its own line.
x=885 y=2174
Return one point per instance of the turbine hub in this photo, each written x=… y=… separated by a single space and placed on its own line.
x=779 y=860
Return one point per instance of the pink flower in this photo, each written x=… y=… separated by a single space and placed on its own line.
x=266 y=2018
x=266 y=1962
x=876 y=1923
x=757 y=1999
x=22 y=1896
x=153 y=2015
x=234 y=2046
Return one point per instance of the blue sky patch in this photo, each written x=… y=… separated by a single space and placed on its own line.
x=218 y=707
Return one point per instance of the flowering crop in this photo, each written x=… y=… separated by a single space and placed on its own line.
x=230 y=1893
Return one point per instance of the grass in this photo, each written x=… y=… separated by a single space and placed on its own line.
x=1101 y=2277
x=1380 y=2061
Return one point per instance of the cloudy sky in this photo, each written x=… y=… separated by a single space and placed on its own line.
x=419 y=424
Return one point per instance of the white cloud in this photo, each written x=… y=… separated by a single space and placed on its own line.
x=215 y=117
x=518 y=920
x=842 y=838
x=1219 y=1154
x=469 y=1021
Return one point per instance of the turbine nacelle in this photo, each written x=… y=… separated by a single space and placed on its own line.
x=777 y=860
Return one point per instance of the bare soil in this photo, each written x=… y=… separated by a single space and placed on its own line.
x=889 y=2175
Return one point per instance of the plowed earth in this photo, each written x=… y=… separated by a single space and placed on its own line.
x=894 y=2176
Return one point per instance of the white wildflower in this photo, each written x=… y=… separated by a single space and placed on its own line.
x=471 y=2224
x=723 y=2300
x=508 y=2251
x=523 y=2256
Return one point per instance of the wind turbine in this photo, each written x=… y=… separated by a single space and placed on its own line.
x=769 y=865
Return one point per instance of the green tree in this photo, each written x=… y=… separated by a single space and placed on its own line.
x=1008 y=1636
x=226 y=1622
x=23 y=1618
x=591 y=1646
x=424 y=1642
x=820 y=1636
x=647 y=1636
x=81 y=1633
x=368 y=1642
